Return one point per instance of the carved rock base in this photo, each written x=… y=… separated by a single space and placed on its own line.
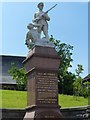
x=43 y=112
x=41 y=66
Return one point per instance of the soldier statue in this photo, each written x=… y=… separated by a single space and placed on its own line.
x=39 y=25
x=40 y=20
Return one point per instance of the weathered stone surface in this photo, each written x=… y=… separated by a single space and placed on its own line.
x=41 y=66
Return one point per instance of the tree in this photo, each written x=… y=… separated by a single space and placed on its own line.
x=66 y=78
x=79 y=70
x=64 y=51
x=78 y=82
x=66 y=86
x=18 y=74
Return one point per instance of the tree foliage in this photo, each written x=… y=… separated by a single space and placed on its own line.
x=18 y=74
x=79 y=70
x=66 y=78
x=66 y=85
x=78 y=82
x=64 y=51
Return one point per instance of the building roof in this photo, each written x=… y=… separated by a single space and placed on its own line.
x=7 y=80
x=87 y=78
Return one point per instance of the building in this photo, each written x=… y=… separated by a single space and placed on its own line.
x=86 y=82
x=87 y=78
x=6 y=81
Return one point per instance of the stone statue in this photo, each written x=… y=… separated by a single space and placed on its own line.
x=40 y=24
x=40 y=20
x=32 y=35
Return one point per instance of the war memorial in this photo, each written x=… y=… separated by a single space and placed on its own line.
x=41 y=65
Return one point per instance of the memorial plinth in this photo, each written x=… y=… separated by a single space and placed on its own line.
x=41 y=65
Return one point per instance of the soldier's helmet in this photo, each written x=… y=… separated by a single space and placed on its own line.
x=41 y=3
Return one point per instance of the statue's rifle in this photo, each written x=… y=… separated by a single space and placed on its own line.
x=37 y=18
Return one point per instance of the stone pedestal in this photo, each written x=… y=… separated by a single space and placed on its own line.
x=41 y=65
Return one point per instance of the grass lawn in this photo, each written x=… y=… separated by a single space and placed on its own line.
x=18 y=99
x=13 y=99
x=72 y=101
